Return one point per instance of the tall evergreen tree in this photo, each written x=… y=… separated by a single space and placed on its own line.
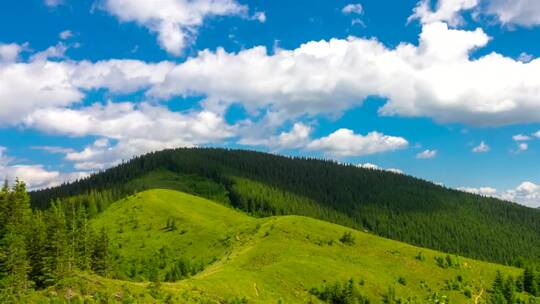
x=14 y=263
x=56 y=262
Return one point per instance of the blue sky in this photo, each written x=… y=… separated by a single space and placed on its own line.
x=444 y=90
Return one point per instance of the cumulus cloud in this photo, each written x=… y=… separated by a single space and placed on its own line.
x=521 y=137
x=427 y=154
x=353 y=8
x=41 y=83
x=435 y=79
x=375 y=167
x=486 y=191
x=446 y=10
x=64 y=35
x=537 y=134
x=297 y=137
x=481 y=148
x=522 y=147
x=9 y=52
x=53 y=149
x=53 y=3
x=525 y=58
x=136 y=129
x=515 y=12
x=175 y=21
x=35 y=176
x=345 y=142
x=259 y=16
x=527 y=193
x=506 y=12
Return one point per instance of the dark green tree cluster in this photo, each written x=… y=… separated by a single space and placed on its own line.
x=391 y=205
x=41 y=248
x=531 y=281
x=505 y=290
x=340 y=293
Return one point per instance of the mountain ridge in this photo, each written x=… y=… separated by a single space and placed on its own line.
x=391 y=205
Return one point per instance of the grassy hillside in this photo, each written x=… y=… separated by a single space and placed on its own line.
x=392 y=205
x=264 y=260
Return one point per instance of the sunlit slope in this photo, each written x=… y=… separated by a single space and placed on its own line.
x=265 y=260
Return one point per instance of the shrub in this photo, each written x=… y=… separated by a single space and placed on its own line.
x=347 y=238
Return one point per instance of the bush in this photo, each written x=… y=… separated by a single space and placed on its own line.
x=347 y=238
x=340 y=293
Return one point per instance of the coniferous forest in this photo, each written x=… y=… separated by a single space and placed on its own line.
x=391 y=205
x=47 y=239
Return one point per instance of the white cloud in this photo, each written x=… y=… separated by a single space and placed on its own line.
x=259 y=16
x=435 y=79
x=486 y=191
x=353 y=8
x=9 y=53
x=518 y=12
x=369 y=166
x=345 y=142
x=64 y=35
x=375 y=167
x=297 y=137
x=521 y=137
x=527 y=193
x=41 y=83
x=395 y=170
x=481 y=148
x=507 y=12
x=136 y=129
x=427 y=154
x=54 y=52
x=53 y=149
x=525 y=58
x=53 y=3
x=119 y=76
x=537 y=134
x=446 y=10
x=27 y=86
x=522 y=147
x=35 y=176
x=175 y=21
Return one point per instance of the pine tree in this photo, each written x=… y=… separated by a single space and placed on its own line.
x=100 y=256
x=56 y=262
x=529 y=284
x=83 y=245
x=14 y=263
x=37 y=241
x=509 y=290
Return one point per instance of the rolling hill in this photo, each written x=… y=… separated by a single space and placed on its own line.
x=395 y=206
x=215 y=254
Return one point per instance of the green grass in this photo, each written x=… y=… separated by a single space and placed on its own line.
x=268 y=259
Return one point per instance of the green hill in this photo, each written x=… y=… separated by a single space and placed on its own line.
x=391 y=205
x=215 y=254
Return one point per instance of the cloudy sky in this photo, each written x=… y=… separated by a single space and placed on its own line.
x=445 y=90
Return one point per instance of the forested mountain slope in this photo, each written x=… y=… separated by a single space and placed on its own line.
x=204 y=252
x=392 y=205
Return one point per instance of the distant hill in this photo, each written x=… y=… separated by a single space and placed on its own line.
x=392 y=205
x=204 y=252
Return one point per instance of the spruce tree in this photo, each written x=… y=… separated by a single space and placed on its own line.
x=14 y=263
x=56 y=261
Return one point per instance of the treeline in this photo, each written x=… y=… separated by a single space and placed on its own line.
x=392 y=205
x=41 y=248
x=506 y=290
